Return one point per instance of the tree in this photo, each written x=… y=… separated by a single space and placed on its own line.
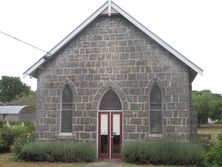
x=24 y=99
x=216 y=107
x=10 y=87
x=207 y=105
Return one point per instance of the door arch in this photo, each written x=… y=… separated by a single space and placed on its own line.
x=109 y=125
x=110 y=101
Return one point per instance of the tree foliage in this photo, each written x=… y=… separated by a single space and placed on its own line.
x=26 y=99
x=207 y=105
x=10 y=87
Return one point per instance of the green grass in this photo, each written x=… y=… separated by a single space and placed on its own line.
x=213 y=130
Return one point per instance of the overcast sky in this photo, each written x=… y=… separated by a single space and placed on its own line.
x=192 y=27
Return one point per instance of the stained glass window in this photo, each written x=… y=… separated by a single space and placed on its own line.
x=66 y=115
x=155 y=110
x=110 y=101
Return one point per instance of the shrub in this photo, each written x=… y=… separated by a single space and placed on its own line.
x=214 y=156
x=7 y=137
x=163 y=152
x=1 y=124
x=20 y=142
x=58 y=152
x=14 y=131
x=219 y=137
x=204 y=140
x=25 y=135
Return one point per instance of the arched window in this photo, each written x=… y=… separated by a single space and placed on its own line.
x=155 y=110
x=66 y=113
x=110 y=101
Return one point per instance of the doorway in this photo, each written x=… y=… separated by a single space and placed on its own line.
x=109 y=126
x=109 y=134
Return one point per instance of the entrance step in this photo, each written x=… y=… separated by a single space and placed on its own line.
x=105 y=163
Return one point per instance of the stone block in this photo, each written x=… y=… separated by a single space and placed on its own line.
x=90 y=128
x=135 y=91
x=78 y=128
x=130 y=84
x=80 y=106
x=97 y=37
x=85 y=135
x=128 y=113
x=84 y=121
x=49 y=121
x=184 y=114
x=129 y=128
x=133 y=136
x=49 y=135
x=42 y=127
x=144 y=129
x=145 y=121
x=182 y=129
x=142 y=114
x=171 y=106
x=175 y=114
x=92 y=114
x=136 y=121
x=88 y=106
x=135 y=106
x=77 y=113
x=184 y=98
x=142 y=77
x=175 y=121
x=169 y=129
x=94 y=136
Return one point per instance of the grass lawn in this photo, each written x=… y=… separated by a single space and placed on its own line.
x=7 y=160
x=214 y=130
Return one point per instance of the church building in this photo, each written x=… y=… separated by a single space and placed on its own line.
x=112 y=80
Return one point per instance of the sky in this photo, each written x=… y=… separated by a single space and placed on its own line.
x=192 y=27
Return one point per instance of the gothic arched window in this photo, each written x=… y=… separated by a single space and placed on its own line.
x=110 y=101
x=66 y=113
x=155 y=110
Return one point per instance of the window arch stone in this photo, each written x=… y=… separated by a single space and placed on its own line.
x=103 y=89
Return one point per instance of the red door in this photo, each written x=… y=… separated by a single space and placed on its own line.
x=109 y=134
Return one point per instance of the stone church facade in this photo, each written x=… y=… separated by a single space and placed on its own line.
x=111 y=81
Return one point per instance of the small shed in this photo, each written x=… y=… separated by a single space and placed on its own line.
x=17 y=113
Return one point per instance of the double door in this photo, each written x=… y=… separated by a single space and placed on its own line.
x=109 y=134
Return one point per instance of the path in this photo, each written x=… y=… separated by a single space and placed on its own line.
x=105 y=163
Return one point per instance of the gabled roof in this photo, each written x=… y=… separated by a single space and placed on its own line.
x=110 y=8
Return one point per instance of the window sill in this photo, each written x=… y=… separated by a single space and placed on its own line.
x=155 y=135
x=65 y=136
